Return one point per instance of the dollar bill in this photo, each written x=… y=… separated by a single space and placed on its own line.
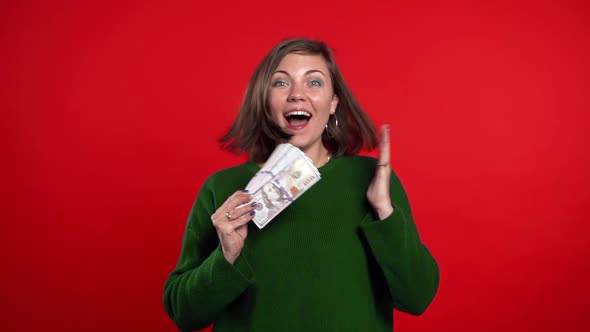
x=271 y=167
x=278 y=184
x=282 y=156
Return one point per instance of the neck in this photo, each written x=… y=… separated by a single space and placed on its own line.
x=319 y=156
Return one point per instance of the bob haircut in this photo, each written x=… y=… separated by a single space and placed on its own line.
x=254 y=131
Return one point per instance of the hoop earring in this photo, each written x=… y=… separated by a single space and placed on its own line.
x=335 y=123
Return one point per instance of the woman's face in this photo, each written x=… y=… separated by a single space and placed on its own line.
x=302 y=98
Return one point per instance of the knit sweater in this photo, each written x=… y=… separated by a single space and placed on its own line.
x=325 y=263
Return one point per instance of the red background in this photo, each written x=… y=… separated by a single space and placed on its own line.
x=110 y=114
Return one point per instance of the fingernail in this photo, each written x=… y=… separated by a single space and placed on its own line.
x=252 y=212
x=253 y=204
x=245 y=190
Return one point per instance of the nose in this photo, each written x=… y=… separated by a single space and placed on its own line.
x=296 y=93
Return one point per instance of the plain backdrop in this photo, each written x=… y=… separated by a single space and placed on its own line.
x=110 y=113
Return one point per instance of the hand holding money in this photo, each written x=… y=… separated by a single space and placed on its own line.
x=230 y=222
x=286 y=175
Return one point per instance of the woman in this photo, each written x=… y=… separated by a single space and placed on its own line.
x=341 y=256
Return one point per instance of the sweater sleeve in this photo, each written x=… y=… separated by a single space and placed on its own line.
x=203 y=283
x=411 y=272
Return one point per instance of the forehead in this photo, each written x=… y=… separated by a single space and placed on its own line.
x=294 y=63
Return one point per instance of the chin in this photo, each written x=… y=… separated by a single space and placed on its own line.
x=298 y=143
x=304 y=142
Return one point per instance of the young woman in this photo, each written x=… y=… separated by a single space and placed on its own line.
x=341 y=256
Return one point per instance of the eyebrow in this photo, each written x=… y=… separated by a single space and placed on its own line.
x=311 y=71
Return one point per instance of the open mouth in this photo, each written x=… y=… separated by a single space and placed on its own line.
x=297 y=119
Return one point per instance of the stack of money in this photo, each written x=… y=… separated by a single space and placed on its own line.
x=286 y=175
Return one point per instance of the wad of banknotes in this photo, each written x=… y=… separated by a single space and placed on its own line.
x=286 y=175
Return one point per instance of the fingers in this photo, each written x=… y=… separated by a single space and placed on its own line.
x=384 y=146
x=238 y=198
x=244 y=219
x=235 y=207
x=229 y=226
x=240 y=211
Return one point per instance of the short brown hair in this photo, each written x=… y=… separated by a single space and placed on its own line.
x=254 y=131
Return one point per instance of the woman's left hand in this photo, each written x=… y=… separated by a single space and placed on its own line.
x=378 y=192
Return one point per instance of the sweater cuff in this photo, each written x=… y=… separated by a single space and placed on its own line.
x=235 y=277
x=387 y=231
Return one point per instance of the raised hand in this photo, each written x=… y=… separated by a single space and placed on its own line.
x=378 y=192
x=231 y=224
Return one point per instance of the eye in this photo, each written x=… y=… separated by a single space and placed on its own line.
x=315 y=83
x=279 y=83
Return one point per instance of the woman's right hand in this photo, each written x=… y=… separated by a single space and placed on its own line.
x=231 y=223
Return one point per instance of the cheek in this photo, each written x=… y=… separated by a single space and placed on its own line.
x=322 y=102
x=275 y=108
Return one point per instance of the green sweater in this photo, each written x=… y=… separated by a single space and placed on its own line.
x=323 y=264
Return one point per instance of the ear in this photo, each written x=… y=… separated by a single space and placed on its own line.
x=334 y=104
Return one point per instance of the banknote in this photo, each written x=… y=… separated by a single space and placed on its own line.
x=281 y=182
x=282 y=156
x=271 y=167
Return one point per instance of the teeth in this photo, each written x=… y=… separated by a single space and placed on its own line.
x=304 y=113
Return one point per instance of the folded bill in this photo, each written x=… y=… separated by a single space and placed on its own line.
x=287 y=174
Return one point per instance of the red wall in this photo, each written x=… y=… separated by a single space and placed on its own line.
x=110 y=115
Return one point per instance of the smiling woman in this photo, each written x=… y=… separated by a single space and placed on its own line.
x=342 y=256
x=301 y=101
x=298 y=89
